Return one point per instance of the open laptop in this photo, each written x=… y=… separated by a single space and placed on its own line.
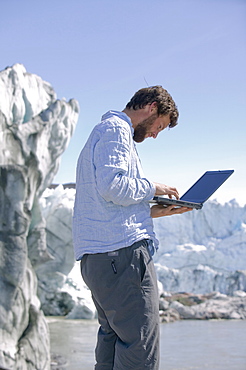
x=203 y=188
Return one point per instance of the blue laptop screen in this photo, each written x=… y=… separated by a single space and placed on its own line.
x=206 y=186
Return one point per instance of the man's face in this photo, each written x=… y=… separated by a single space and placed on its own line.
x=150 y=127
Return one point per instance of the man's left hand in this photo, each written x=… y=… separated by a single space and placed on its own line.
x=160 y=211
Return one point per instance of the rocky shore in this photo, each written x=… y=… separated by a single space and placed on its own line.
x=185 y=306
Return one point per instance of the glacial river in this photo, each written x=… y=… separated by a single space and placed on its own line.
x=185 y=345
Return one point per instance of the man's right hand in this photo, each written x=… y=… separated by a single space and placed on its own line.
x=162 y=189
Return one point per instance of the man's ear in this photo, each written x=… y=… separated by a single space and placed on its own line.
x=153 y=107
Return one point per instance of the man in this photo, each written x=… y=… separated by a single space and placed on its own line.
x=113 y=230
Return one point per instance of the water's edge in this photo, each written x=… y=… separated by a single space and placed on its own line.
x=185 y=345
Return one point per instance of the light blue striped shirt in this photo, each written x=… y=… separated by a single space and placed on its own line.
x=111 y=209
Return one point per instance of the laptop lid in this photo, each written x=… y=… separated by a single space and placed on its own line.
x=204 y=187
x=198 y=193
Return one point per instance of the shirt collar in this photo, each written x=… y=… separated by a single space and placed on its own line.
x=121 y=115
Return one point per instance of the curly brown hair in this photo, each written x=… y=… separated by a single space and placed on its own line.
x=149 y=95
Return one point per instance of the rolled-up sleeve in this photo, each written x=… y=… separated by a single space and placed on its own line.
x=116 y=169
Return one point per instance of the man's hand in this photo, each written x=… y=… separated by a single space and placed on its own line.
x=162 y=189
x=160 y=211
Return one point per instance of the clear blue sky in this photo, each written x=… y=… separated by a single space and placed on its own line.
x=101 y=52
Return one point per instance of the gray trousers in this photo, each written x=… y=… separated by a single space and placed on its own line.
x=124 y=289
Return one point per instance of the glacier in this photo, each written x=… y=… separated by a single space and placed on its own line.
x=203 y=251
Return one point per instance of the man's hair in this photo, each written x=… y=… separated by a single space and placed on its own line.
x=164 y=101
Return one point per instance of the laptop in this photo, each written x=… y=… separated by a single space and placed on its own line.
x=203 y=188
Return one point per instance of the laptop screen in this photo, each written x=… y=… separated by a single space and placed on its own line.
x=206 y=186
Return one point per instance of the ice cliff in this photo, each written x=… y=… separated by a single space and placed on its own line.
x=203 y=251
x=35 y=129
